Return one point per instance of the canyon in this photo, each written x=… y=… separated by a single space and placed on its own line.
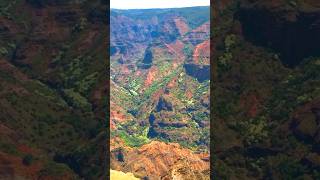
x=160 y=80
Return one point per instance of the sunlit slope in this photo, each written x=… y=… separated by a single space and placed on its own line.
x=118 y=175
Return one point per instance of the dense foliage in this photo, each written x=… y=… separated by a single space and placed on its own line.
x=265 y=108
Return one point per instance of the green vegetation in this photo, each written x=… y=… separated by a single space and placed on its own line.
x=61 y=54
x=83 y=22
x=300 y=87
x=164 y=66
x=47 y=88
x=257 y=100
x=8 y=148
x=133 y=134
x=230 y=42
x=188 y=50
x=157 y=85
x=224 y=60
x=134 y=84
x=253 y=130
x=5 y=8
x=202 y=89
x=133 y=140
x=54 y=169
x=162 y=101
x=289 y=168
x=76 y=100
x=85 y=85
x=42 y=90
x=3 y=51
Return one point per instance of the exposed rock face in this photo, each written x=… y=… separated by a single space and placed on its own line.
x=179 y=171
x=293 y=33
x=182 y=26
x=158 y=159
x=117 y=115
x=197 y=35
x=201 y=54
x=125 y=31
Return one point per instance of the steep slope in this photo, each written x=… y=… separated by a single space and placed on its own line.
x=266 y=89
x=52 y=87
x=160 y=89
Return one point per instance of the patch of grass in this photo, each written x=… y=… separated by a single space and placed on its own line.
x=159 y=84
x=133 y=140
x=41 y=89
x=87 y=83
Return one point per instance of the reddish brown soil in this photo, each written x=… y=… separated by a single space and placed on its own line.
x=116 y=115
x=157 y=158
x=181 y=25
x=151 y=76
x=202 y=51
x=172 y=83
x=176 y=48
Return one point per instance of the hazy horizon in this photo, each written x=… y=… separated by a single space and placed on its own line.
x=156 y=4
x=157 y=8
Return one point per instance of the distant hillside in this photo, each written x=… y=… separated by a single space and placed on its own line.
x=195 y=16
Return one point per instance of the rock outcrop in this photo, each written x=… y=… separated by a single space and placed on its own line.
x=159 y=159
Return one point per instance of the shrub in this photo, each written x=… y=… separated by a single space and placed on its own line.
x=3 y=51
x=76 y=100
x=133 y=140
x=229 y=42
x=188 y=50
